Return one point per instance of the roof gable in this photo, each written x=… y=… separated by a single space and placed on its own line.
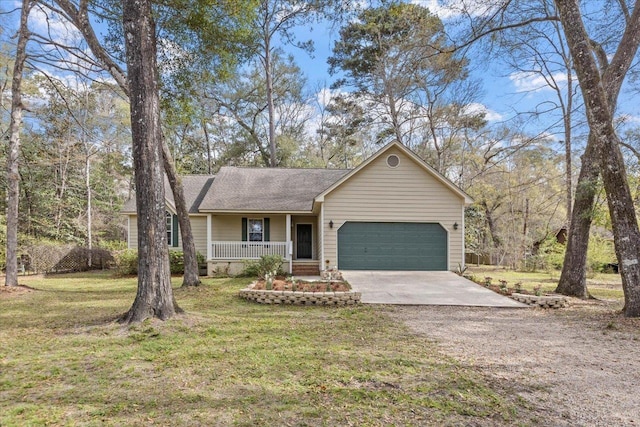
x=410 y=154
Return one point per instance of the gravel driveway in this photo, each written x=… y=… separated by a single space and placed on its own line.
x=578 y=366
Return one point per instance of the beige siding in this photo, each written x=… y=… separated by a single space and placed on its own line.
x=133 y=232
x=228 y=228
x=198 y=228
x=407 y=193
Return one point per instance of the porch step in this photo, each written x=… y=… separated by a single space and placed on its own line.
x=305 y=269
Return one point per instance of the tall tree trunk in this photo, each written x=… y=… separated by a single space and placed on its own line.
x=13 y=170
x=600 y=117
x=271 y=109
x=207 y=140
x=155 y=295
x=567 y=146
x=80 y=18
x=87 y=183
x=191 y=270
x=61 y=187
x=573 y=280
x=491 y=224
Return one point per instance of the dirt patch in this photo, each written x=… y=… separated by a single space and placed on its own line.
x=12 y=291
x=575 y=366
x=302 y=286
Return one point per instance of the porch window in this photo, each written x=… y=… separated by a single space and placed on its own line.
x=172 y=229
x=256 y=230
x=169 y=228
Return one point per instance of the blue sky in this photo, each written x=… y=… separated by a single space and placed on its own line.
x=505 y=92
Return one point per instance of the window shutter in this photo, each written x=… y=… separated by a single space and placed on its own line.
x=266 y=229
x=244 y=229
x=174 y=233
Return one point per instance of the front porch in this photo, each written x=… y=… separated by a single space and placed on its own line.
x=234 y=238
x=234 y=253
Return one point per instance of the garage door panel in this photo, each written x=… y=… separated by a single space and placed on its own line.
x=392 y=246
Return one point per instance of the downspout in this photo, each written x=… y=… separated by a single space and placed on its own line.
x=321 y=236
x=462 y=228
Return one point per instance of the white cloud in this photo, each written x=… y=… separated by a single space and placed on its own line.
x=534 y=82
x=53 y=26
x=326 y=95
x=446 y=9
x=489 y=115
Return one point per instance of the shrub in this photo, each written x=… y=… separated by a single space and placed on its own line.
x=127 y=262
x=265 y=265
x=201 y=259
x=176 y=262
x=550 y=256
x=112 y=245
x=600 y=253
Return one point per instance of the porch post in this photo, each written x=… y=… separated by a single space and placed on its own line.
x=289 y=245
x=209 y=254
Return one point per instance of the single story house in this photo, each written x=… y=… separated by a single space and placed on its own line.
x=392 y=212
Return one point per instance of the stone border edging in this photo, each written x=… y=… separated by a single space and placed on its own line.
x=300 y=298
x=544 y=301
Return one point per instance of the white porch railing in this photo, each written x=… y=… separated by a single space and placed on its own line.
x=247 y=250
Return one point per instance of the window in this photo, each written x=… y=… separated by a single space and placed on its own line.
x=169 y=228
x=256 y=230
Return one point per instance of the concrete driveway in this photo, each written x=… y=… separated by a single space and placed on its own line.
x=423 y=288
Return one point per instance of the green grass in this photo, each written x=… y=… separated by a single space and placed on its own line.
x=64 y=361
x=600 y=285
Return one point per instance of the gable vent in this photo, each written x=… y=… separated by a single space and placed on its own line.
x=393 y=161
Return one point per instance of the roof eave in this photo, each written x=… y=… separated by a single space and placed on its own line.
x=255 y=211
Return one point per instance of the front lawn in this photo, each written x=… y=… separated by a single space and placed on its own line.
x=63 y=361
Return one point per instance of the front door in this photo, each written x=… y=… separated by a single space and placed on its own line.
x=303 y=241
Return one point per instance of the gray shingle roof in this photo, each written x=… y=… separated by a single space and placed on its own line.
x=195 y=188
x=268 y=189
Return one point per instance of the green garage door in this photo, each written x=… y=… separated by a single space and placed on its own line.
x=392 y=246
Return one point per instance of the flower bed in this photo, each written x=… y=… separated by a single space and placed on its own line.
x=524 y=296
x=301 y=293
x=279 y=284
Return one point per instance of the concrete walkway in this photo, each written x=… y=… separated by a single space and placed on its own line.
x=423 y=288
